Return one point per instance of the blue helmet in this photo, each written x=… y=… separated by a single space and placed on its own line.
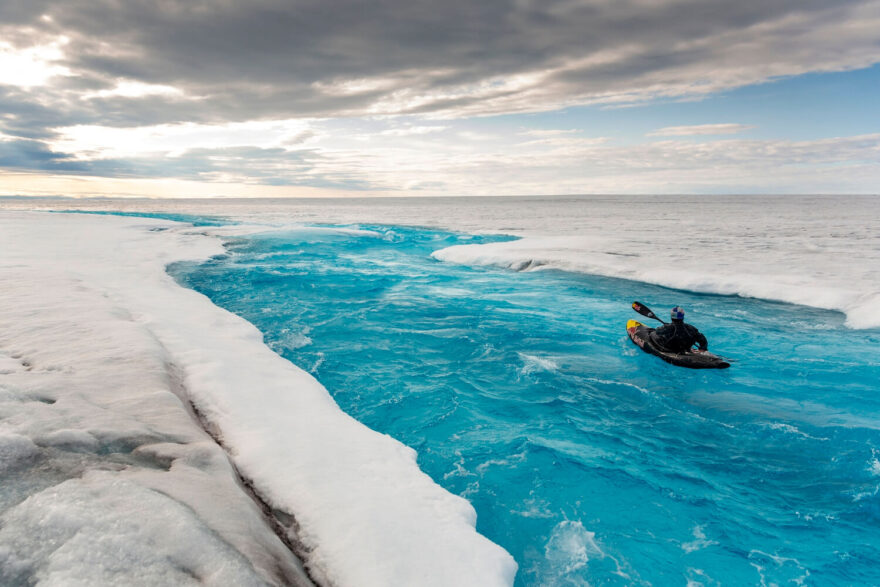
x=677 y=313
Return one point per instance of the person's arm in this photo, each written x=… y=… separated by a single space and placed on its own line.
x=701 y=340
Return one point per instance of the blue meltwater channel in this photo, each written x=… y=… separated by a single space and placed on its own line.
x=587 y=459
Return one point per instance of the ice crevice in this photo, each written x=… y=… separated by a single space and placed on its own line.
x=282 y=523
x=108 y=435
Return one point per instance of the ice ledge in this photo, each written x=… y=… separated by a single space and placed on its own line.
x=797 y=276
x=366 y=514
x=106 y=478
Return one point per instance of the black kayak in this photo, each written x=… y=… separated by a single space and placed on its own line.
x=640 y=334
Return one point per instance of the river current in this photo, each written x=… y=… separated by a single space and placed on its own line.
x=587 y=459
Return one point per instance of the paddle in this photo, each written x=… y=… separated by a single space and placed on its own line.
x=645 y=311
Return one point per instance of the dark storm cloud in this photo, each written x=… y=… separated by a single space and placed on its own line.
x=28 y=154
x=284 y=42
x=275 y=58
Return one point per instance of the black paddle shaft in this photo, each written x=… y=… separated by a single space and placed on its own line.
x=645 y=311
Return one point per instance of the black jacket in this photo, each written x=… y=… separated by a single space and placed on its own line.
x=678 y=337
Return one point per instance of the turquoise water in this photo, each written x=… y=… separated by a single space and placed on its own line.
x=588 y=460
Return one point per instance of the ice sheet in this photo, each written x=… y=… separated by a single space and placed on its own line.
x=364 y=512
x=106 y=479
x=821 y=251
x=800 y=274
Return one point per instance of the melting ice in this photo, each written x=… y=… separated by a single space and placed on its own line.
x=585 y=459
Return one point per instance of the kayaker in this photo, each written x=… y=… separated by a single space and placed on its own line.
x=678 y=336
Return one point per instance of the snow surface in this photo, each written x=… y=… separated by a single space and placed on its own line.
x=112 y=482
x=106 y=477
x=802 y=276
x=820 y=251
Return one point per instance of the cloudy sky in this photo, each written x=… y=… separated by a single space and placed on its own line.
x=409 y=97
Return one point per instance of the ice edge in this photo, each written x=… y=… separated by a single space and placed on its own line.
x=536 y=253
x=280 y=427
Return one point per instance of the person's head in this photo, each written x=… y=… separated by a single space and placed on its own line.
x=677 y=314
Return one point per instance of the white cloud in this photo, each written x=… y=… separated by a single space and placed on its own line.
x=573 y=165
x=103 y=142
x=547 y=133
x=135 y=89
x=461 y=161
x=565 y=141
x=412 y=130
x=355 y=86
x=700 y=129
x=32 y=66
x=503 y=167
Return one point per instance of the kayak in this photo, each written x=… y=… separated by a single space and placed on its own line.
x=694 y=359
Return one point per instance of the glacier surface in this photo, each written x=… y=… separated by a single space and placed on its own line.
x=820 y=251
x=107 y=365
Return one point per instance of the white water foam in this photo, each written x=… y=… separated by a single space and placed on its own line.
x=699 y=542
x=570 y=548
x=874 y=463
x=534 y=363
x=100 y=374
x=773 y=569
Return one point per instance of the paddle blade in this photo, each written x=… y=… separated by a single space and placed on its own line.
x=645 y=311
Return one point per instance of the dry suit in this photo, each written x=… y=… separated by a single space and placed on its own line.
x=678 y=337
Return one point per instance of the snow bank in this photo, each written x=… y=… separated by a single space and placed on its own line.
x=796 y=273
x=821 y=251
x=106 y=479
x=362 y=510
